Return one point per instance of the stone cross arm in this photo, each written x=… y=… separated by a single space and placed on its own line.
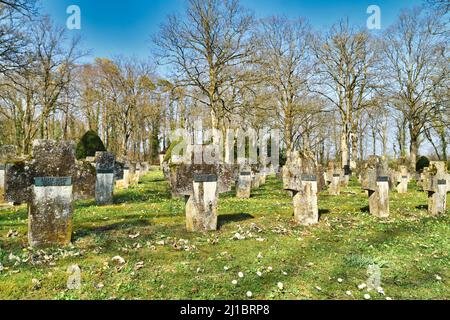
x=185 y=175
x=52 y=164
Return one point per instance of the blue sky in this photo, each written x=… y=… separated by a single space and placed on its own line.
x=112 y=28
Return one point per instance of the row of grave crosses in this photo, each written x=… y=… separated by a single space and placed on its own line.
x=51 y=180
x=201 y=184
x=379 y=180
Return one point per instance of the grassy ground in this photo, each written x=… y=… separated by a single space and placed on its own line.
x=162 y=261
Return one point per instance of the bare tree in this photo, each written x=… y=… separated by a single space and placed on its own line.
x=414 y=68
x=344 y=76
x=286 y=65
x=206 y=48
x=13 y=40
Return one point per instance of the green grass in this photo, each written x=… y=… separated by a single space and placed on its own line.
x=410 y=247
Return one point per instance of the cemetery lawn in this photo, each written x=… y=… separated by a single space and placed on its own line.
x=162 y=261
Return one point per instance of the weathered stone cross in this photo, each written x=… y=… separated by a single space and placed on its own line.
x=244 y=182
x=104 y=184
x=333 y=178
x=435 y=183
x=402 y=179
x=48 y=183
x=201 y=184
x=300 y=176
x=375 y=180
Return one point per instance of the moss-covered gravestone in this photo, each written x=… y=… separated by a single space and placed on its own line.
x=435 y=183
x=300 y=177
x=47 y=183
x=104 y=185
x=375 y=180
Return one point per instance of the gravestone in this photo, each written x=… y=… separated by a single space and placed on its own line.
x=46 y=184
x=119 y=173
x=244 y=182
x=201 y=185
x=333 y=178
x=420 y=178
x=300 y=177
x=8 y=154
x=346 y=172
x=84 y=180
x=256 y=176
x=375 y=180
x=145 y=167
x=435 y=183
x=139 y=173
x=104 y=185
x=126 y=176
x=402 y=179
x=133 y=174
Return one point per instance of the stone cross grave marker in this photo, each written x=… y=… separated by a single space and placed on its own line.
x=244 y=182
x=126 y=177
x=435 y=183
x=346 y=172
x=402 y=179
x=201 y=185
x=375 y=180
x=300 y=177
x=104 y=185
x=47 y=183
x=333 y=178
x=256 y=176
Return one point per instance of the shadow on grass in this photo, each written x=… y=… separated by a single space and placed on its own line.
x=365 y=209
x=230 y=218
x=422 y=207
x=82 y=232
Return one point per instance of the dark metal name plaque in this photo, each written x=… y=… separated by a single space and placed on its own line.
x=442 y=182
x=308 y=177
x=382 y=179
x=336 y=175
x=404 y=177
x=53 y=181
x=246 y=173
x=126 y=168
x=205 y=178
x=105 y=171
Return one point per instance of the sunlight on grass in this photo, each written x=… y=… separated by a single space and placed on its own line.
x=162 y=261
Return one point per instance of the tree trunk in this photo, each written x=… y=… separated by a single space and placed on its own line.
x=344 y=148
x=414 y=150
